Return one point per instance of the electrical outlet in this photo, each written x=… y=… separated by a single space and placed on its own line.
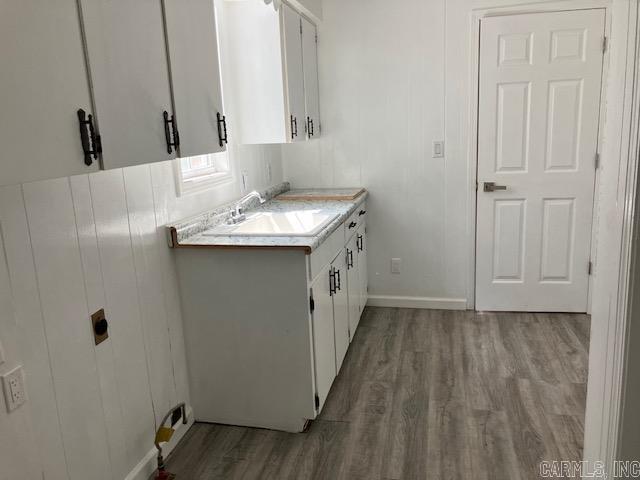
x=438 y=149
x=14 y=391
x=396 y=263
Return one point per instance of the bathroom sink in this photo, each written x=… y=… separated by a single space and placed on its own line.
x=298 y=223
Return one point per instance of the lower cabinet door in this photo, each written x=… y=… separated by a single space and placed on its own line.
x=353 y=285
x=361 y=239
x=340 y=307
x=323 y=335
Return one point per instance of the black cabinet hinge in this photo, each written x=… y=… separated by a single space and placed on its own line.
x=312 y=304
x=317 y=400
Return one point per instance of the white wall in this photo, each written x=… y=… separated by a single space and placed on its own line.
x=72 y=246
x=394 y=77
x=382 y=89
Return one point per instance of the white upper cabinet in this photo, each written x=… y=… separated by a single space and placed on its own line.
x=195 y=76
x=265 y=68
x=43 y=80
x=293 y=72
x=126 y=47
x=311 y=89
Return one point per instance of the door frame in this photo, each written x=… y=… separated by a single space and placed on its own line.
x=616 y=199
x=476 y=17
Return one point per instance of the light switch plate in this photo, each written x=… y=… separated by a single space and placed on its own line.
x=438 y=149
x=14 y=390
x=396 y=263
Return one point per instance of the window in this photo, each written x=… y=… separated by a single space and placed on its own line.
x=203 y=171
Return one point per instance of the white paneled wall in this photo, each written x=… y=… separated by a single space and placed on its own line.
x=71 y=246
x=382 y=90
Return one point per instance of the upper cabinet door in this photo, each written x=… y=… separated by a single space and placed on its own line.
x=43 y=80
x=311 y=89
x=125 y=42
x=294 y=74
x=195 y=76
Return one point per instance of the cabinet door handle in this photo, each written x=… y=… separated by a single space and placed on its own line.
x=362 y=212
x=222 y=129
x=313 y=128
x=295 y=122
x=332 y=281
x=172 y=137
x=352 y=225
x=310 y=129
x=91 y=144
x=349 y=259
x=339 y=282
x=359 y=243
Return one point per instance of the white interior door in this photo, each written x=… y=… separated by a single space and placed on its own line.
x=538 y=118
x=294 y=76
x=311 y=88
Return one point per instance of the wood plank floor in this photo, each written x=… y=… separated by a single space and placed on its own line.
x=425 y=394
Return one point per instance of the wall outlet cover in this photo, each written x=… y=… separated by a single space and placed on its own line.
x=438 y=149
x=14 y=390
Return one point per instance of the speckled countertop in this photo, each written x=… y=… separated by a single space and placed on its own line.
x=192 y=233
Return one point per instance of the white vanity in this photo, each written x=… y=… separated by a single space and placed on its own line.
x=270 y=304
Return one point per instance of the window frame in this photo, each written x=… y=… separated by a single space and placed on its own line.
x=220 y=173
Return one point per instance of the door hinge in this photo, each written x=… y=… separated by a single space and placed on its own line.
x=605 y=44
x=590 y=267
x=317 y=401
x=316 y=38
x=312 y=303
x=300 y=27
x=597 y=160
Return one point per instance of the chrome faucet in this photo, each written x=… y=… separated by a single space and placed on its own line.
x=237 y=214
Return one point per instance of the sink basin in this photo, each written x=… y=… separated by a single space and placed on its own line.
x=299 y=223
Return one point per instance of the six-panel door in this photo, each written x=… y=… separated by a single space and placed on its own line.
x=540 y=81
x=43 y=80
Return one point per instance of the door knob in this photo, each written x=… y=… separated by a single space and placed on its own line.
x=492 y=187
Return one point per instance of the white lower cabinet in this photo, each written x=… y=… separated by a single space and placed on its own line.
x=323 y=335
x=361 y=247
x=339 y=292
x=266 y=330
x=354 y=286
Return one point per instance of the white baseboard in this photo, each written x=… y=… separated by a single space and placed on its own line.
x=417 y=302
x=147 y=466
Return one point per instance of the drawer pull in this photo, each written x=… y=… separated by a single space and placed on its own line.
x=362 y=212
x=352 y=225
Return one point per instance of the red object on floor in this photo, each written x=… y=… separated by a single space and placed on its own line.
x=164 y=475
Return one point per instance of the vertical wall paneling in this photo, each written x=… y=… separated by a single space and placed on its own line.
x=105 y=355
x=31 y=340
x=18 y=452
x=149 y=272
x=123 y=309
x=61 y=284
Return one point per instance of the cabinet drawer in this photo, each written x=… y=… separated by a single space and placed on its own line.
x=326 y=252
x=356 y=219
